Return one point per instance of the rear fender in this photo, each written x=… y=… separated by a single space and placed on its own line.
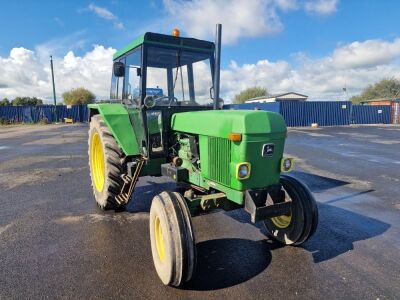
x=117 y=120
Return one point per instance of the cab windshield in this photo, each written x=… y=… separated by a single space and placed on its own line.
x=176 y=77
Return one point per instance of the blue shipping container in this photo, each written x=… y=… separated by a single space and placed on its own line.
x=371 y=114
x=324 y=113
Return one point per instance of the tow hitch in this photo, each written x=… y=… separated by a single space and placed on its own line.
x=257 y=201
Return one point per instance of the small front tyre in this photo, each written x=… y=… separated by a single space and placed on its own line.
x=301 y=223
x=172 y=239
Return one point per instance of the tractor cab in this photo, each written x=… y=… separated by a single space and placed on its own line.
x=158 y=75
x=165 y=71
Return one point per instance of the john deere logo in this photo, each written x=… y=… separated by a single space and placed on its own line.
x=268 y=150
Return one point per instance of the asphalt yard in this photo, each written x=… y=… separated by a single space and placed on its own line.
x=55 y=243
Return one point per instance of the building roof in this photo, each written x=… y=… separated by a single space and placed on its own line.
x=285 y=94
x=277 y=96
x=380 y=99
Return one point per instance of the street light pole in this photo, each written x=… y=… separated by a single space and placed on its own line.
x=396 y=108
x=54 y=89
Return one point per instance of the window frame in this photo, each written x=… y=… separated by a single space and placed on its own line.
x=175 y=47
x=123 y=59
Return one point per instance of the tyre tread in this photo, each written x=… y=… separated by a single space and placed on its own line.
x=114 y=164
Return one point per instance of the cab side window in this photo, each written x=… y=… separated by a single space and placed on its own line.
x=132 y=76
x=117 y=85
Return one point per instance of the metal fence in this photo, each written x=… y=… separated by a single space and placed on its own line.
x=296 y=114
x=34 y=114
x=325 y=113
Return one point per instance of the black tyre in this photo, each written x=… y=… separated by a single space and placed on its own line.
x=300 y=225
x=172 y=239
x=106 y=164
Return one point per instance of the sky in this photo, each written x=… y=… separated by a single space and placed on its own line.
x=313 y=47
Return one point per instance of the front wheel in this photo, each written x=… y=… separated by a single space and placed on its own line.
x=172 y=239
x=298 y=226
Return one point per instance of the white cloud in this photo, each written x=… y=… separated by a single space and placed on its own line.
x=368 y=53
x=354 y=65
x=321 y=7
x=104 y=13
x=119 y=25
x=240 y=18
x=23 y=73
x=287 y=4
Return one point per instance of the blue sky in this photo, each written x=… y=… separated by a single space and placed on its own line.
x=274 y=36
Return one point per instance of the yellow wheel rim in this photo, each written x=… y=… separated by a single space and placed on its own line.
x=282 y=221
x=97 y=162
x=159 y=239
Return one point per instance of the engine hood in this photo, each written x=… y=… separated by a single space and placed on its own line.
x=220 y=123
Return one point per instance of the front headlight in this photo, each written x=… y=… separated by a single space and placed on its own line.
x=287 y=164
x=243 y=170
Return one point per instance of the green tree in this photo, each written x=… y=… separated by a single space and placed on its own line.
x=250 y=93
x=31 y=101
x=78 y=96
x=5 y=102
x=388 y=88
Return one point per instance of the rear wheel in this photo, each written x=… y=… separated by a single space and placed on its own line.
x=298 y=226
x=172 y=239
x=106 y=164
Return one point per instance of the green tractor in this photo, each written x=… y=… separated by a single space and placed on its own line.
x=166 y=119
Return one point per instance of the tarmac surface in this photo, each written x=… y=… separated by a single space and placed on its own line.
x=55 y=242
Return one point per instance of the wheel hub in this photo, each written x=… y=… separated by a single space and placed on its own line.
x=159 y=239
x=97 y=162
x=282 y=221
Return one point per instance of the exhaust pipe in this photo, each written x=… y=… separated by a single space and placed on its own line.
x=217 y=64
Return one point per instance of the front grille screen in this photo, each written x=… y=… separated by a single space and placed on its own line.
x=219 y=153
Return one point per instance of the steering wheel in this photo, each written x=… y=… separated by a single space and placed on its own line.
x=166 y=99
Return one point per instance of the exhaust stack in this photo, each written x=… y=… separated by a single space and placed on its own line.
x=217 y=64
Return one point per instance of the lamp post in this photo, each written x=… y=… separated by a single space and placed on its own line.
x=54 y=89
x=396 y=108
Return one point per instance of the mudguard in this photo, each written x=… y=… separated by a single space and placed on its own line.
x=117 y=119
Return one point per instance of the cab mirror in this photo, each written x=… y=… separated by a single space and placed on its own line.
x=119 y=69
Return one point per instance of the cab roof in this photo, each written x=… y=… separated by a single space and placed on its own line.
x=166 y=40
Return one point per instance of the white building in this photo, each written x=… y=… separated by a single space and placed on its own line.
x=279 y=97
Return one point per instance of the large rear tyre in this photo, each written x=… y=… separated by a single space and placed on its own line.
x=300 y=225
x=106 y=164
x=172 y=239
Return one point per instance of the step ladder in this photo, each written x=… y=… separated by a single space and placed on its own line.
x=129 y=184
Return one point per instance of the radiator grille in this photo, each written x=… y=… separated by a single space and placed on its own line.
x=219 y=153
